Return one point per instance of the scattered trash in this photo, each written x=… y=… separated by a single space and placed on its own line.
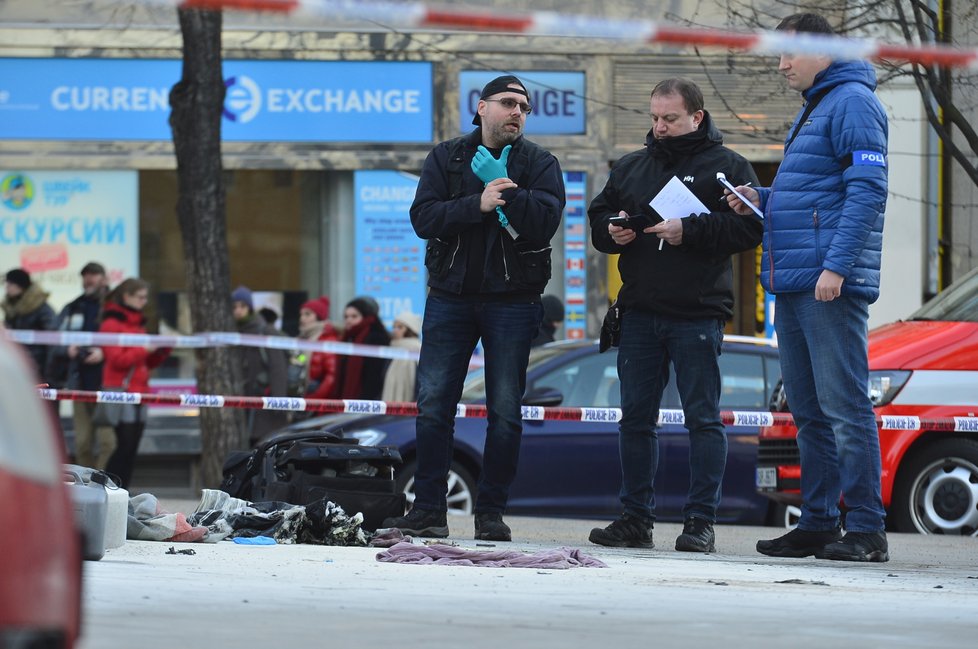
x=938 y=586
x=254 y=540
x=892 y=575
x=451 y=544
x=173 y=550
x=718 y=583
x=387 y=537
x=485 y=545
x=803 y=582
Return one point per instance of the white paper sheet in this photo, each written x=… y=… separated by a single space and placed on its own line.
x=675 y=201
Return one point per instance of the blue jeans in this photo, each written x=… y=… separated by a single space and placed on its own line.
x=451 y=330
x=648 y=343
x=825 y=366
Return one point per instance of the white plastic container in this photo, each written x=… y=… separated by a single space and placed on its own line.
x=117 y=515
x=91 y=504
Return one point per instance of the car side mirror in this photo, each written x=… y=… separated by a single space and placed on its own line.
x=543 y=396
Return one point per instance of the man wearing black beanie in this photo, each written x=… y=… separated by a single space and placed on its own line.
x=488 y=204
x=25 y=306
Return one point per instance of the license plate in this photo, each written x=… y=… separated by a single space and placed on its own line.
x=767 y=477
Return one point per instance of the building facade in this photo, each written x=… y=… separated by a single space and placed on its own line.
x=325 y=129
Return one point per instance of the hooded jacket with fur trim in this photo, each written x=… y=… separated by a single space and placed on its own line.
x=31 y=311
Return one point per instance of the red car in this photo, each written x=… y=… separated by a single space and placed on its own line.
x=925 y=366
x=40 y=552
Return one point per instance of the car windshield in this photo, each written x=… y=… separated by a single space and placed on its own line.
x=475 y=381
x=957 y=303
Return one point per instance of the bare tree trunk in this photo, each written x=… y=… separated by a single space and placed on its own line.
x=196 y=102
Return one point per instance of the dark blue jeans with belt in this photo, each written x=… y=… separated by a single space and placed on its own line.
x=648 y=343
x=451 y=329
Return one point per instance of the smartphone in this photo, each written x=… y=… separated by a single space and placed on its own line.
x=636 y=222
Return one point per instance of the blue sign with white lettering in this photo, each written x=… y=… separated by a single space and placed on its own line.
x=873 y=158
x=557 y=99
x=266 y=101
x=390 y=256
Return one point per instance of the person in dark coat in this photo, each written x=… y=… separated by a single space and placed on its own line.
x=362 y=377
x=265 y=370
x=25 y=306
x=80 y=368
x=676 y=295
x=488 y=204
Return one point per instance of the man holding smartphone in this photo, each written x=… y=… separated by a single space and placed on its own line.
x=822 y=250
x=674 y=304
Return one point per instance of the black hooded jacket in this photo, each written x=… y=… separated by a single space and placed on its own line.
x=694 y=279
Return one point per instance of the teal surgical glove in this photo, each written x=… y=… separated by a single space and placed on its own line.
x=486 y=167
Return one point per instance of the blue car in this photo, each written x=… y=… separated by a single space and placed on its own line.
x=571 y=468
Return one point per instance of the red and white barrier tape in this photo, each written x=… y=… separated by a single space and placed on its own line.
x=734 y=418
x=419 y=15
x=209 y=339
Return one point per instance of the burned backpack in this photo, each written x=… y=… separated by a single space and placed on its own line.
x=302 y=467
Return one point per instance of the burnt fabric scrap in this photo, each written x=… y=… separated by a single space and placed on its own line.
x=147 y=521
x=388 y=537
x=446 y=555
x=320 y=523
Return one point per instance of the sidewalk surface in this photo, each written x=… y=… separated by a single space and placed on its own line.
x=229 y=595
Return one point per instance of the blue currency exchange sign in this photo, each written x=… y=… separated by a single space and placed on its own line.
x=267 y=101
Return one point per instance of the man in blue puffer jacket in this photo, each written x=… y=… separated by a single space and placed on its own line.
x=823 y=240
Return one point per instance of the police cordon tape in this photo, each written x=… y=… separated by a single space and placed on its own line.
x=421 y=15
x=210 y=339
x=735 y=418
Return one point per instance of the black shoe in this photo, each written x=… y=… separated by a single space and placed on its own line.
x=859 y=546
x=697 y=536
x=490 y=527
x=799 y=543
x=420 y=522
x=626 y=532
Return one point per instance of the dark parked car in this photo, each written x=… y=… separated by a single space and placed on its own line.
x=571 y=468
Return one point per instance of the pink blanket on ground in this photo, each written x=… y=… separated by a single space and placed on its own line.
x=446 y=555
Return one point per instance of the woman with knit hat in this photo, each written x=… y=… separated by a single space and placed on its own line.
x=362 y=377
x=400 y=385
x=264 y=370
x=321 y=367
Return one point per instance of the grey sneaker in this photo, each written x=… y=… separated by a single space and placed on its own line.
x=859 y=546
x=799 y=543
x=420 y=522
x=490 y=527
x=626 y=532
x=697 y=536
